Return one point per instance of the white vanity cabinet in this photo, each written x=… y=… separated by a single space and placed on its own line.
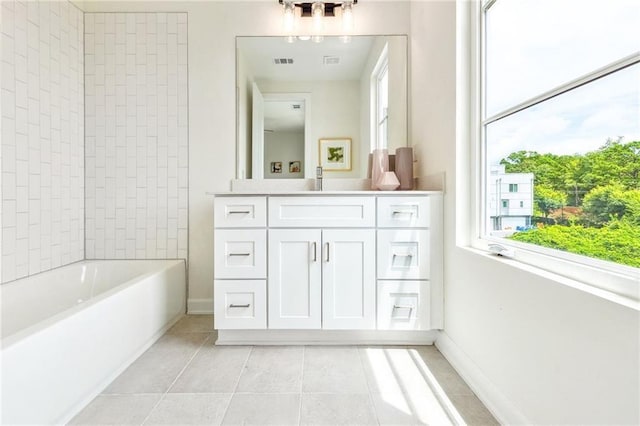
x=322 y=279
x=307 y=266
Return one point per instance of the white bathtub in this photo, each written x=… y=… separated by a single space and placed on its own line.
x=69 y=332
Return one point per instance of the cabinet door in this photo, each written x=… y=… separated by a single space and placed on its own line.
x=294 y=278
x=348 y=274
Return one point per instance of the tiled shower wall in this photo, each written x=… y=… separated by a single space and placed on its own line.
x=136 y=135
x=42 y=136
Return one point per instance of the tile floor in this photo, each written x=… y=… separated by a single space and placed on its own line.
x=184 y=379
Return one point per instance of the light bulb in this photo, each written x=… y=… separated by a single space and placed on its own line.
x=347 y=16
x=317 y=13
x=289 y=16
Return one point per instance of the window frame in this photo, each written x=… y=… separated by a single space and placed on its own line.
x=595 y=275
x=379 y=119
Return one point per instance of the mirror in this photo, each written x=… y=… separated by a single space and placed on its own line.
x=292 y=95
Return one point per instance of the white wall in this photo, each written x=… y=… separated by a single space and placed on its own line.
x=136 y=135
x=544 y=353
x=284 y=147
x=328 y=119
x=42 y=137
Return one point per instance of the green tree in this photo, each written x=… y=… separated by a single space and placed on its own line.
x=548 y=199
x=604 y=203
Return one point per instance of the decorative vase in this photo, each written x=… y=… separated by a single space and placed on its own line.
x=389 y=182
x=404 y=167
x=379 y=165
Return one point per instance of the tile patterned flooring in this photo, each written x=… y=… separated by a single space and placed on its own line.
x=185 y=379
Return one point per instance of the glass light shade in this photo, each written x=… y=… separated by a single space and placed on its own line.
x=347 y=17
x=289 y=16
x=317 y=13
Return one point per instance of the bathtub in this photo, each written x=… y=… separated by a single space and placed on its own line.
x=69 y=332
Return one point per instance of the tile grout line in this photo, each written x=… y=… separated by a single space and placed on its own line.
x=304 y=350
x=235 y=389
x=366 y=381
x=196 y=352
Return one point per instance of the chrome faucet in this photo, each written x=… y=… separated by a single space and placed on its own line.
x=318 y=186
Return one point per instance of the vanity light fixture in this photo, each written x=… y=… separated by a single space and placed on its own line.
x=317 y=10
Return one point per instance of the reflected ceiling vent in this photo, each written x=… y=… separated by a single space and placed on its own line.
x=283 y=61
x=331 y=60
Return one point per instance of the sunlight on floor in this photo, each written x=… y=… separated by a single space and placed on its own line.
x=408 y=387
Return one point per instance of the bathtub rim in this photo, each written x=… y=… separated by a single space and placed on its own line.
x=8 y=341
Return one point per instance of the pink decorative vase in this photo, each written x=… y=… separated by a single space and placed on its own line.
x=389 y=182
x=379 y=165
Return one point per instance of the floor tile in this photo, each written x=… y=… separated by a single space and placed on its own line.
x=190 y=409
x=473 y=411
x=272 y=369
x=403 y=409
x=159 y=366
x=263 y=409
x=337 y=409
x=193 y=324
x=333 y=369
x=116 y=410
x=213 y=369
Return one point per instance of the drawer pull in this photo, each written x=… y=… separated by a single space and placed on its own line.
x=409 y=307
x=327 y=245
x=239 y=254
x=240 y=212
x=315 y=251
x=395 y=212
x=239 y=306
x=403 y=255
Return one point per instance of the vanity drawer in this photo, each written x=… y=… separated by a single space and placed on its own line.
x=240 y=253
x=403 y=305
x=240 y=304
x=403 y=254
x=403 y=212
x=240 y=212
x=307 y=212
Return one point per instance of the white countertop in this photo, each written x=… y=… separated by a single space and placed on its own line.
x=321 y=193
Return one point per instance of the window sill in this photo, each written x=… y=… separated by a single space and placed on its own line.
x=618 y=288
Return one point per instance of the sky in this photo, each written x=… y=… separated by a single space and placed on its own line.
x=570 y=38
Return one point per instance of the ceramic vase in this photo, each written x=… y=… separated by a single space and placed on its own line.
x=404 y=167
x=389 y=182
x=379 y=165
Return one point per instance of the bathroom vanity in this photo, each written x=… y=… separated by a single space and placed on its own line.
x=328 y=267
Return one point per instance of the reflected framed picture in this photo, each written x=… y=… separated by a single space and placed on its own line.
x=294 y=166
x=335 y=154
x=276 y=167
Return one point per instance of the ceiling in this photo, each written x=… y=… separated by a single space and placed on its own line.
x=308 y=58
x=281 y=116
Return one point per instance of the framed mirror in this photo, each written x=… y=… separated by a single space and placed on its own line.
x=293 y=96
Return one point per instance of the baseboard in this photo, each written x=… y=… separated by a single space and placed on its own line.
x=325 y=337
x=496 y=402
x=200 y=306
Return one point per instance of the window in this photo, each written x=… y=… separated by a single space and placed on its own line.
x=380 y=94
x=560 y=103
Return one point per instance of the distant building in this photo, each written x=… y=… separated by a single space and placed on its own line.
x=510 y=199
